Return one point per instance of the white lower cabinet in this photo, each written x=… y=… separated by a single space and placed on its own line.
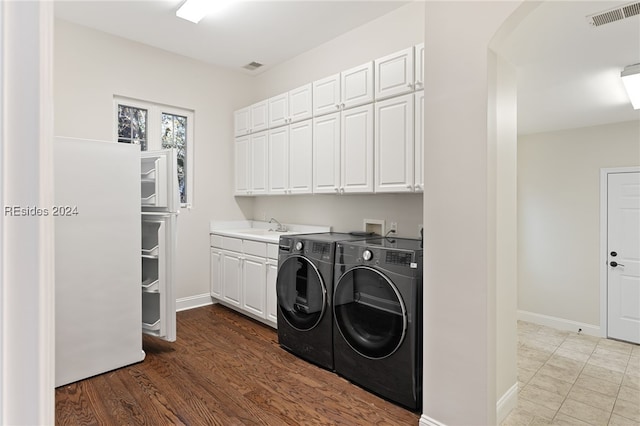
x=272 y=298
x=243 y=276
x=254 y=283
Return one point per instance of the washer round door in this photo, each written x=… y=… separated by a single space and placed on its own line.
x=369 y=312
x=302 y=295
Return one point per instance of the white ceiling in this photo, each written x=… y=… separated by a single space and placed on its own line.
x=568 y=71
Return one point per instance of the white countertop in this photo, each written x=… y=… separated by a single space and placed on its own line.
x=260 y=231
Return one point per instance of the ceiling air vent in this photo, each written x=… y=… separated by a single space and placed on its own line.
x=252 y=66
x=615 y=14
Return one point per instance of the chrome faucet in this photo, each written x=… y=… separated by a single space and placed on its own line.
x=279 y=228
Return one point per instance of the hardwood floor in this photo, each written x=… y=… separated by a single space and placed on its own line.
x=224 y=369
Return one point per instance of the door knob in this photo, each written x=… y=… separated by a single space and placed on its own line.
x=614 y=264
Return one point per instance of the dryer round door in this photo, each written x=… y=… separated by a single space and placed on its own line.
x=302 y=295
x=369 y=312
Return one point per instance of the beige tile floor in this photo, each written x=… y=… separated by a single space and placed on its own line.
x=568 y=378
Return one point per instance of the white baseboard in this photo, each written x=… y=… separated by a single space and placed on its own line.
x=428 y=421
x=508 y=402
x=560 y=323
x=191 y=302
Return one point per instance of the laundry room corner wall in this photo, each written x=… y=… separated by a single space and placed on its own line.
x=91 y=67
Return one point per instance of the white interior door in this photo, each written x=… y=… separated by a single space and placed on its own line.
x=623 y=256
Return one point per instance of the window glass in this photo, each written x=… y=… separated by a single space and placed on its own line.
x=174 y=135
x=132 y=125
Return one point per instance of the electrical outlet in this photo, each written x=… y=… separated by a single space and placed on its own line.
x=393 y=227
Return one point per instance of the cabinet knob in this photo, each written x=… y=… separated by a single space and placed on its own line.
x=337 y=106
x=337 y=189
x=409 y=186
x=410 y=86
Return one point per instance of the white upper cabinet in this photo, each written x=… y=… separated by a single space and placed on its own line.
x=259 y=159
x=418 y=170
x=347 y=89
x=394 y=74
x=356 y=86
x=242 y=121
x=259 y=116
x=300 y=103
x=326 y=95
x=279 y=110
x=343 y=151
x=251 y=164
x=326 y=154
x=394 y=122
x=300 y=157
x=242 y=165
x=357 y=150
x=290 y=153
x=251 y=119
x=290 y=107
x=419 y=67
x=279 y=160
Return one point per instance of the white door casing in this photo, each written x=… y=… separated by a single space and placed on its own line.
x=623 y=256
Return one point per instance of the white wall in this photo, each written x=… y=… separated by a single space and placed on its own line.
x=91 y=67
x=27 y=253
x=396 y=30
x=559 y=217
x=460 y=212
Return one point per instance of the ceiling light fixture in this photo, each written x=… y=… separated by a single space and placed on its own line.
x=631 y=79
x=195 y=10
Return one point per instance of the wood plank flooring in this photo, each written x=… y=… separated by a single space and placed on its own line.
x=224 y=369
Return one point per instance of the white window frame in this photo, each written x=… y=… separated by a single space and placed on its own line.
x=154 y=136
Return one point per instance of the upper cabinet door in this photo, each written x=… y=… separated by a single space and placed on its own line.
x=300 y=157
x=243 y=165
x=326 y=153
x=259 y=163
x=419 y=67
x=279 y=160
x=394 y=74
x=357 y=86
x=357 y=150
x=242 y=121
x=259 y=116
x=279 y=110
x=326 y=95
x=300 y=103
x=394 y=144
x=418 y=169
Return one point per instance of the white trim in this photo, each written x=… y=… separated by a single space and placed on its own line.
x=191 y=302
x=507 y=403
x=428 y=421
x=559 y=323
x=604 y=306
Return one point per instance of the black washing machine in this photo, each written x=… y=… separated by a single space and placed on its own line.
x=304 y=290
x=377 y=309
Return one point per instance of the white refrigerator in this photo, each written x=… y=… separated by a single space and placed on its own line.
x=101 y=243
x=160 y=208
